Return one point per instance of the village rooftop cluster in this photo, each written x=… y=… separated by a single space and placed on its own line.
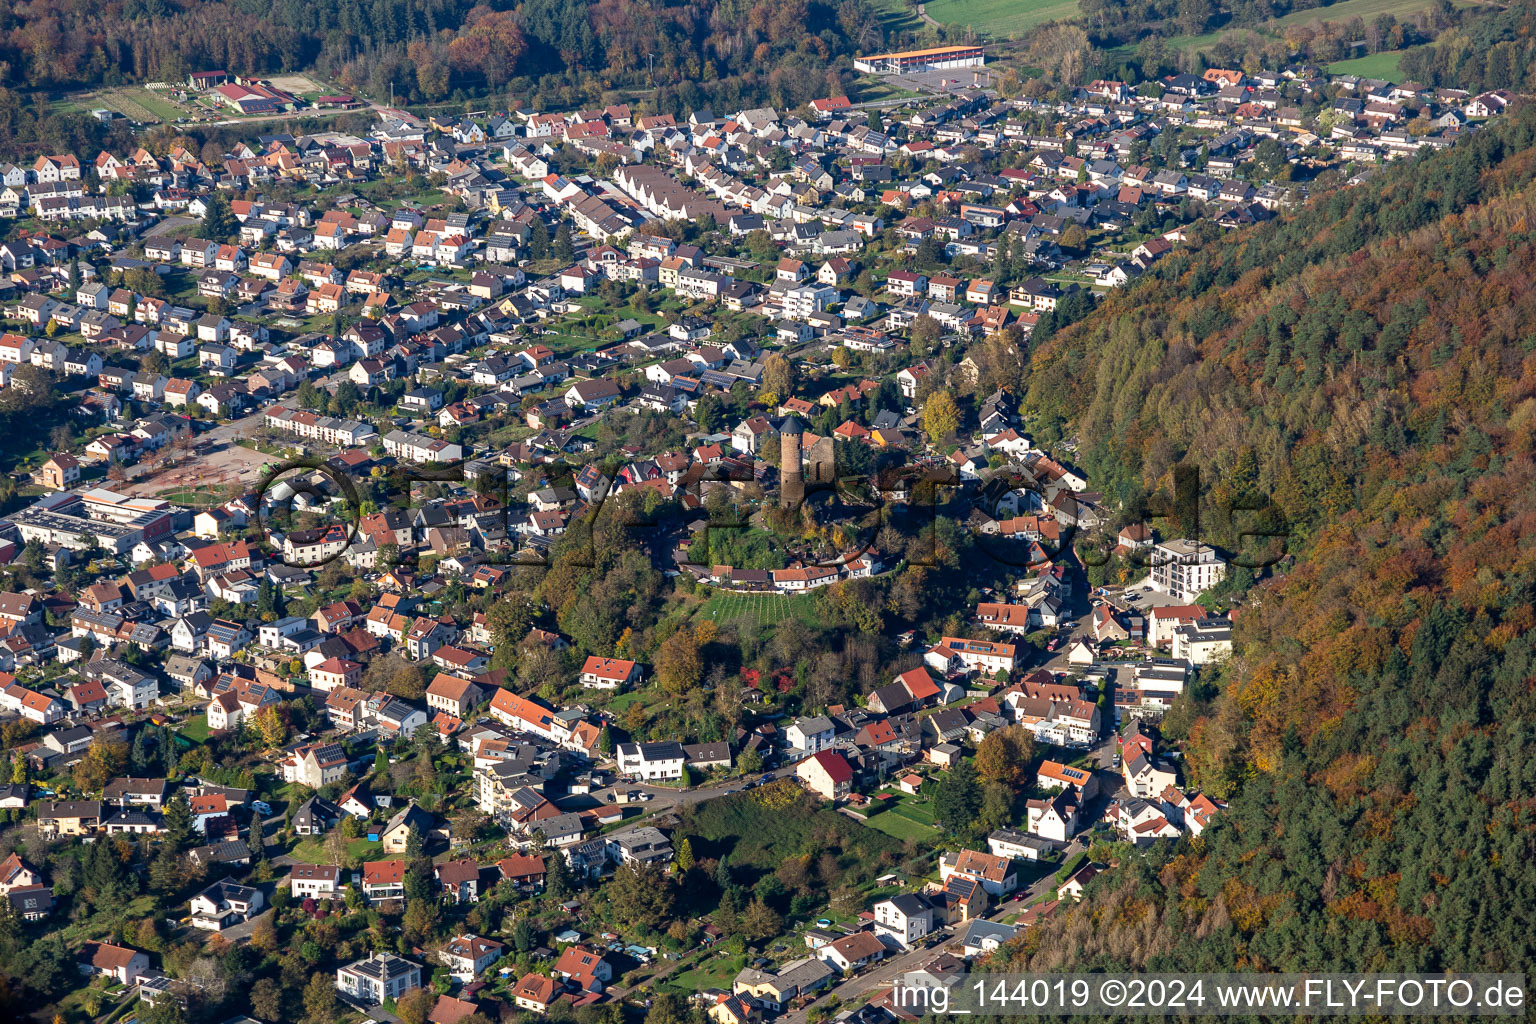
x=499 y=294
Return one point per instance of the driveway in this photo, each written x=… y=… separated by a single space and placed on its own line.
x=169 y=223
x=665 y=798
x=243 y=930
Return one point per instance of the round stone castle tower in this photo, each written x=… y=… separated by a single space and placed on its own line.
x=791 y=473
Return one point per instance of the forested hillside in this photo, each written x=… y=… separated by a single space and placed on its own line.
x=1491 y=52
x=1368 y=363
x=427 y=49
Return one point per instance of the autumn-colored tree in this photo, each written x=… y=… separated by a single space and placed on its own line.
x=272 y=724
x=678 y=664
x=1005 y=755
x=779 y=376
x=759 y=921
x=103 y=762
x=419 y=920
x=926 y=332
x=264 y=935
x=267 y=999
x=941 y=416
x=509 y=620
x=414 y=1006
x=490 y=46
x=320 y=999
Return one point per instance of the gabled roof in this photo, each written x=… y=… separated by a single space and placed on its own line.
x=104 y=956
x=457 y=872
x=919 y=684
x=834 y=764
x=383 y=872
x=580 y=964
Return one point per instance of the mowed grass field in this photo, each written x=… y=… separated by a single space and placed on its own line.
x=899 y=826
x=1002 y=17
x=1366 y=9
x=759 y=610
x=897 y=15
x=904 y=818
x=1377 y=65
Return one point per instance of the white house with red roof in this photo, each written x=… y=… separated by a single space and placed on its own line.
x=333 y=673
x=827 y=774
x=584 y=967
x=608 y=673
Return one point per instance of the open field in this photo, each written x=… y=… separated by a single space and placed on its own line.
x=904 y=816
x=899 y=826
x=1366 y=9
x=762 y=829
x=1377 y=65
x=1000 y=17
x=144 y=106
x=204 y=474
x=761 y=609
x=298 y=85
x=154 y=102
x=198 y=497
x=879 y=88
x=897 y=16
x=1344 y=11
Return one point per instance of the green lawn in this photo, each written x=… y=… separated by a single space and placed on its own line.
x=918 y=808
x=564 y=344
x=718 y=972
x=202 y=497
x=196 y=729
x=1377 y=65
x=1001 y=17
x=897 y=16
x=873 y=88
x=762 y=609
x=622 y=702
x=762 y=829
x=899 y=826
x=904 y=816
x=312 y=851
x=598 y=304
x=100 y=922
x=280 y=796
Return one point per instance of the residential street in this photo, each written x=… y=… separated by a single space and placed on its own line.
x=890 y=968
